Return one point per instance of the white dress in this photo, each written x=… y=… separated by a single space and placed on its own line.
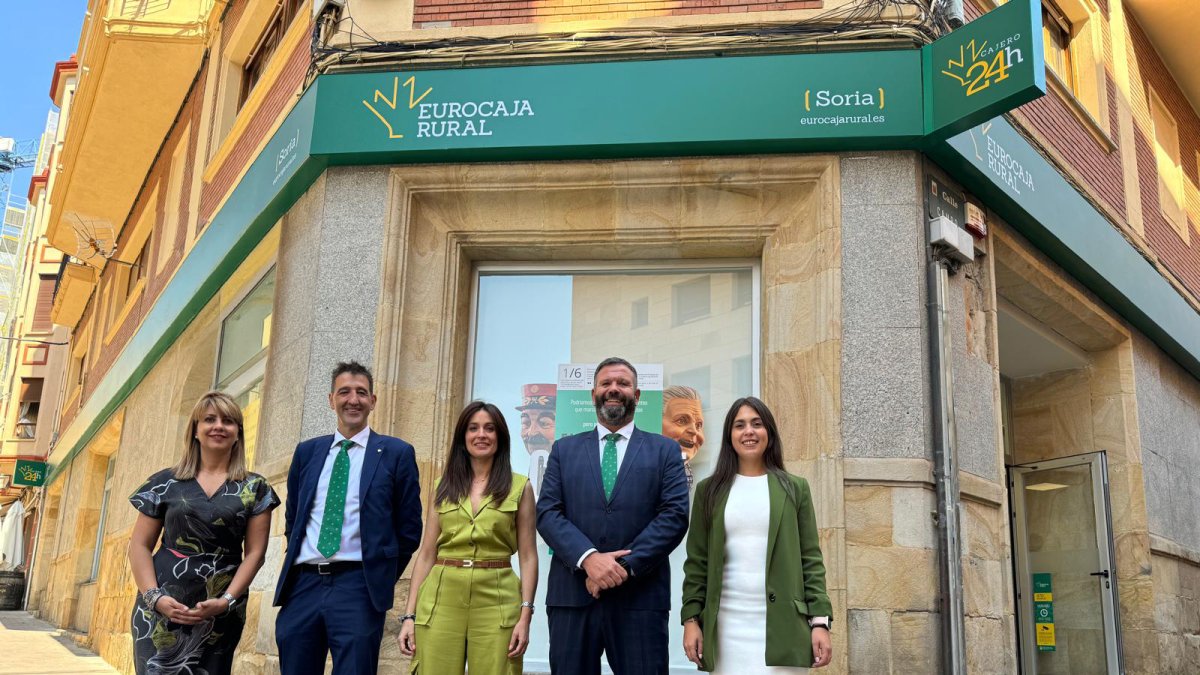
x=742 y=622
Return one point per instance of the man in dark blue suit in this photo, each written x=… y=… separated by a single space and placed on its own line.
x=353 y=521
x=614 y=504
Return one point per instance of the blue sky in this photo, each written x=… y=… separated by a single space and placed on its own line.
x=33 y=35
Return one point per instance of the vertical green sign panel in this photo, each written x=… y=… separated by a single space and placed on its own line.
x=1043 y=612
x=987 y=67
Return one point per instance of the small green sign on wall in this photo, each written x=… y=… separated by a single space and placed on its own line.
x=29 y=473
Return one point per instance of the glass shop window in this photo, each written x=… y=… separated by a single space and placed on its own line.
x=242 y=363
x=692 y=331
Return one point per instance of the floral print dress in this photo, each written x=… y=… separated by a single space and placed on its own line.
x=201 y=548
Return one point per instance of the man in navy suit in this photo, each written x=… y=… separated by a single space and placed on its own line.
x=353 y=521
x=614 y=504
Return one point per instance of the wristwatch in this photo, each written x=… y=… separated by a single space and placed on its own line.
x=529 y=605
x=823 y=622
x=231 y=600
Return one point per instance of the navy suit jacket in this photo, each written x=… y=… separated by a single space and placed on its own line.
x=389 y=511
x=647 y=514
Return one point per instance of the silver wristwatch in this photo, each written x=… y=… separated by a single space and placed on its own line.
x=231 y=600
x=529 y=605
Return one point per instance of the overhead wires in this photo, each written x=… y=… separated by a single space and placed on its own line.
x=885 y=22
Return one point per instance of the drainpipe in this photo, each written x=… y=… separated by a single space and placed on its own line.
x=37 y=540
x=945 y=462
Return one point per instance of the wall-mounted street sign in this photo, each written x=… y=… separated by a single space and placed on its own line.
x=29 y=473
x=943 y=201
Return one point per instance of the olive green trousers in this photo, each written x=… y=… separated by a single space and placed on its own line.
x=467 y=622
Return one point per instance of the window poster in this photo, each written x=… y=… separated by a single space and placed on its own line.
x=538 y=337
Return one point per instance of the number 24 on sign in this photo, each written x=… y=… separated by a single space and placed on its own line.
x=981 y=73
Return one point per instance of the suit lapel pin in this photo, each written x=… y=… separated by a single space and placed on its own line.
x=378 y=449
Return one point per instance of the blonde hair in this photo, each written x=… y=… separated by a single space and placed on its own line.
x=225 y=406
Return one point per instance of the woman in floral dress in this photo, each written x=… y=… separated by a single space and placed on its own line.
x=214 y=517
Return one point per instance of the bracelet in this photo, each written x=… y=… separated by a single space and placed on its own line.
x=151 y=597
x=406 y=617
x=529 y=605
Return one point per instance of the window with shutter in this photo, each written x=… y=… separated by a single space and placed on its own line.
x=45 y=301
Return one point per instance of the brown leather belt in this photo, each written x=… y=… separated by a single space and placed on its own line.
x=483 y=564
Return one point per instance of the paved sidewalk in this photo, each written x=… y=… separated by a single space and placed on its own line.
x=32 y=647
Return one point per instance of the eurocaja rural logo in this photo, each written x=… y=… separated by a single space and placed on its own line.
x=413 y=110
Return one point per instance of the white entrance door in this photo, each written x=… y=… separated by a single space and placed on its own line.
x=1066 y=581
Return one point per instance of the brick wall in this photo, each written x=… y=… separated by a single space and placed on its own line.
x=278 y=98
x=1051 y=117
x=156 y=281
x=1183 y=259
x=1099 y=167
x=473 y=13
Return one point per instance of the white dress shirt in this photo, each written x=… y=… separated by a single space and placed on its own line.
x=625 y=433
x=351 y=547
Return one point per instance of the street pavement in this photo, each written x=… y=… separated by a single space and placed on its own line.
x=32 y=647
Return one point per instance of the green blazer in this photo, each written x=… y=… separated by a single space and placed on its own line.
x=795 y=574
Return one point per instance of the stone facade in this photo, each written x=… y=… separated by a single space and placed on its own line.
x=389 y=252
x=1169 y=411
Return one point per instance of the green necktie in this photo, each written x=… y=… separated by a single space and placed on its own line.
x=608 y=464
x=335 y=503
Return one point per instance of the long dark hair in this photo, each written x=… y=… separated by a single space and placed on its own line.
x=727 y=460
x=457 y=477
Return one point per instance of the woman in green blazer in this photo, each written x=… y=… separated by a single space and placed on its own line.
x=754 y=582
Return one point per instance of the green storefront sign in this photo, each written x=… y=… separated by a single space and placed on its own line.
x=29 y=473
x=713 y=105
x=779 y=103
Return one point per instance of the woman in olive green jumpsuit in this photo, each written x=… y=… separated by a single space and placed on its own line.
x=470 y=610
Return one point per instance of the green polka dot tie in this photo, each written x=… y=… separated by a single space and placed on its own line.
x=335 y=503
x=608 y=464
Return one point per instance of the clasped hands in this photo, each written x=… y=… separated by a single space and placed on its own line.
x=604 y=572
x=177 y=612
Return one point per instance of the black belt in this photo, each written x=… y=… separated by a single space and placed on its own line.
x=335 y=567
